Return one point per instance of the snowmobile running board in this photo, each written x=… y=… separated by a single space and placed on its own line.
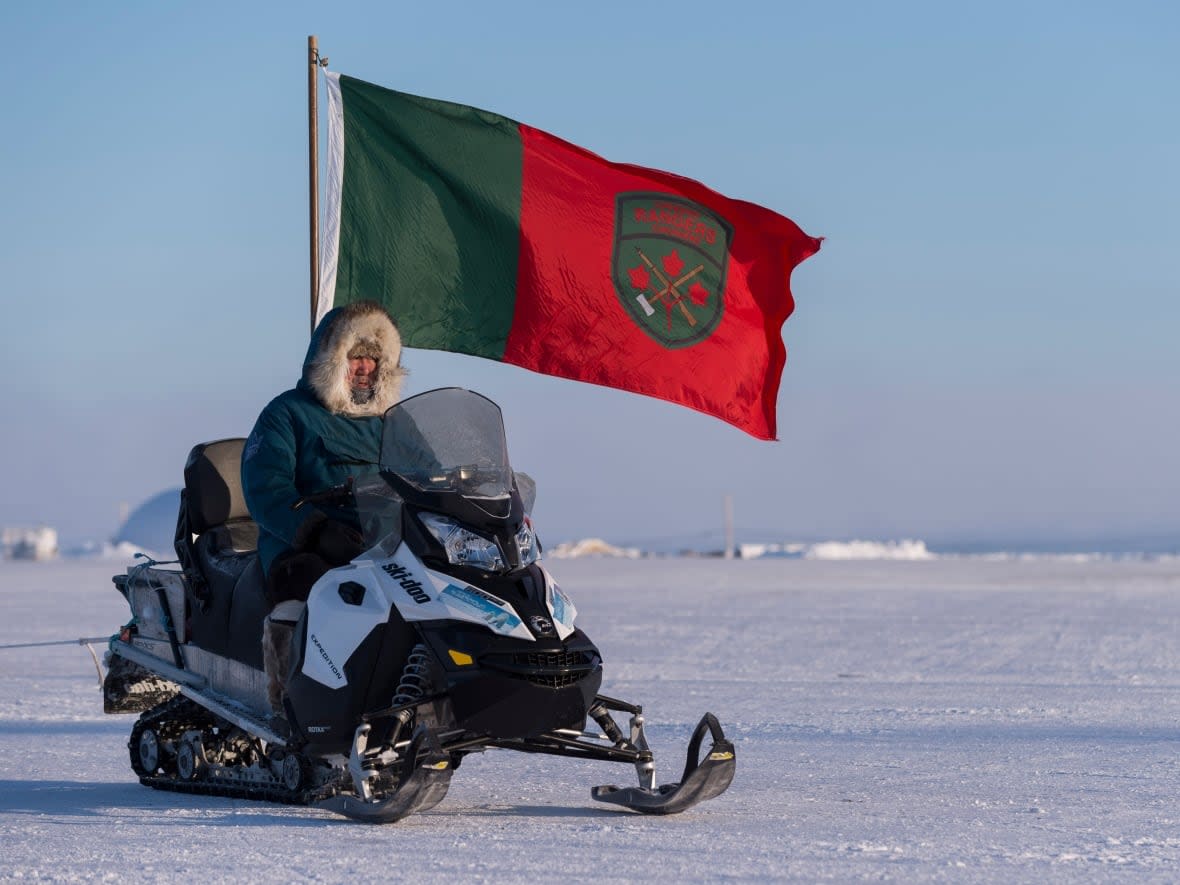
x=233 y=713
x=195 y=687
x=702 y=779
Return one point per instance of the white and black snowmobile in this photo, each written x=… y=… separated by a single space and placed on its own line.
x=446 y=637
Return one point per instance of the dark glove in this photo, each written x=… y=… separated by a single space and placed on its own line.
x=308 y=531
x=336 y=542
x=339 y=543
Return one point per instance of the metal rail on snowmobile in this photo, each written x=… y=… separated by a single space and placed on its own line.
x=155 y=664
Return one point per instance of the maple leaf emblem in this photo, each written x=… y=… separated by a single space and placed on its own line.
x=673 y=263
x=639 y=277
x=698 y=294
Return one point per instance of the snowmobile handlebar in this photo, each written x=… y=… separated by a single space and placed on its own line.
x=344 y=490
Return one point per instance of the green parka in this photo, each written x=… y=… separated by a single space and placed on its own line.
x=315 y=436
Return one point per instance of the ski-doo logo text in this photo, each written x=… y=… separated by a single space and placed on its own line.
x=327 y=660
x=402 y=576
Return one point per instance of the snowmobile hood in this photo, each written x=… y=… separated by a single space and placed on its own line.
x=364 y=326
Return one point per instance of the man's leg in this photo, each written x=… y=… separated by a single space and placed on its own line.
x=277 y=631
x=288 y=584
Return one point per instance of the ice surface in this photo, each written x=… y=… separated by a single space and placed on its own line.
x=958 y=720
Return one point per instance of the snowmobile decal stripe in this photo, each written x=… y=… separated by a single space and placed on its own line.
x=492 y=613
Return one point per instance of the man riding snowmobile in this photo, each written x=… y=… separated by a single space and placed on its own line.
x=321 y=433
x=410 y=623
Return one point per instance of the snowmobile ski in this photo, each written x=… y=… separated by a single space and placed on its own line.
x=426 y=777
x=702 y=779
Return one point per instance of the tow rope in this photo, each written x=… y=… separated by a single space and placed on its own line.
x=87 y=641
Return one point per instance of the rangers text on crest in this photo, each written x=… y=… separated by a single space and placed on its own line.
x=675 y=220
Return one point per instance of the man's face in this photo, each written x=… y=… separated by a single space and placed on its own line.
x=362 y=372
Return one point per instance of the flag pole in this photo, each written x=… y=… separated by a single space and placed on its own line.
x=313 y=146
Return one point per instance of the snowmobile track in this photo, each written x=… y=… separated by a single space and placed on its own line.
x=179 y=716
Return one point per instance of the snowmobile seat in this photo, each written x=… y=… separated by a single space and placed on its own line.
x=248 y=609
x=216 y=541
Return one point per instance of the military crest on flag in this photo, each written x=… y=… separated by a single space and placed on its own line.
x=670 y=258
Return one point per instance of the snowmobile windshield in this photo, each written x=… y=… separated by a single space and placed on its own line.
x=448 y=440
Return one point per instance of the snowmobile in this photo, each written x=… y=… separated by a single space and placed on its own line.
x=446 y=637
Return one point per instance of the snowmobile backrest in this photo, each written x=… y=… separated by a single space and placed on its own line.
x=213 y=498
x=213 y=485
x=215 y=536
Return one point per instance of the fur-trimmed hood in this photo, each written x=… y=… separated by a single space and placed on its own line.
x=368 y=326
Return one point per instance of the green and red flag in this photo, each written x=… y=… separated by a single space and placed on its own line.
x=489 y=237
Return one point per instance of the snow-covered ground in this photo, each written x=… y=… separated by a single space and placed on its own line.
x=950 y=720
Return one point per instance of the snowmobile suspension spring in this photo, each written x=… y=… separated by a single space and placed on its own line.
x=415 y=681
x=601 y=715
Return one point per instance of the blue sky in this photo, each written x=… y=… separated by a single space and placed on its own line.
x=984 y=349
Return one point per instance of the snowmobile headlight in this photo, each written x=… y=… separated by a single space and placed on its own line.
x=526 y=545
x=463 y=547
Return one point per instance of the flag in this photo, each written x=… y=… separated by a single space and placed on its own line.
x=485 y=236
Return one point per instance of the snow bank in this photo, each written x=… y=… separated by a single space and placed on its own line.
x=591 y=547
x=909 y=550
x=122 y=551
x=904 y=549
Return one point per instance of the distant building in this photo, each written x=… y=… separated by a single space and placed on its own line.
x=38 y=543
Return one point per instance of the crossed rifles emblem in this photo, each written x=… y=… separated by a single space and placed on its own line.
x=670 y=294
